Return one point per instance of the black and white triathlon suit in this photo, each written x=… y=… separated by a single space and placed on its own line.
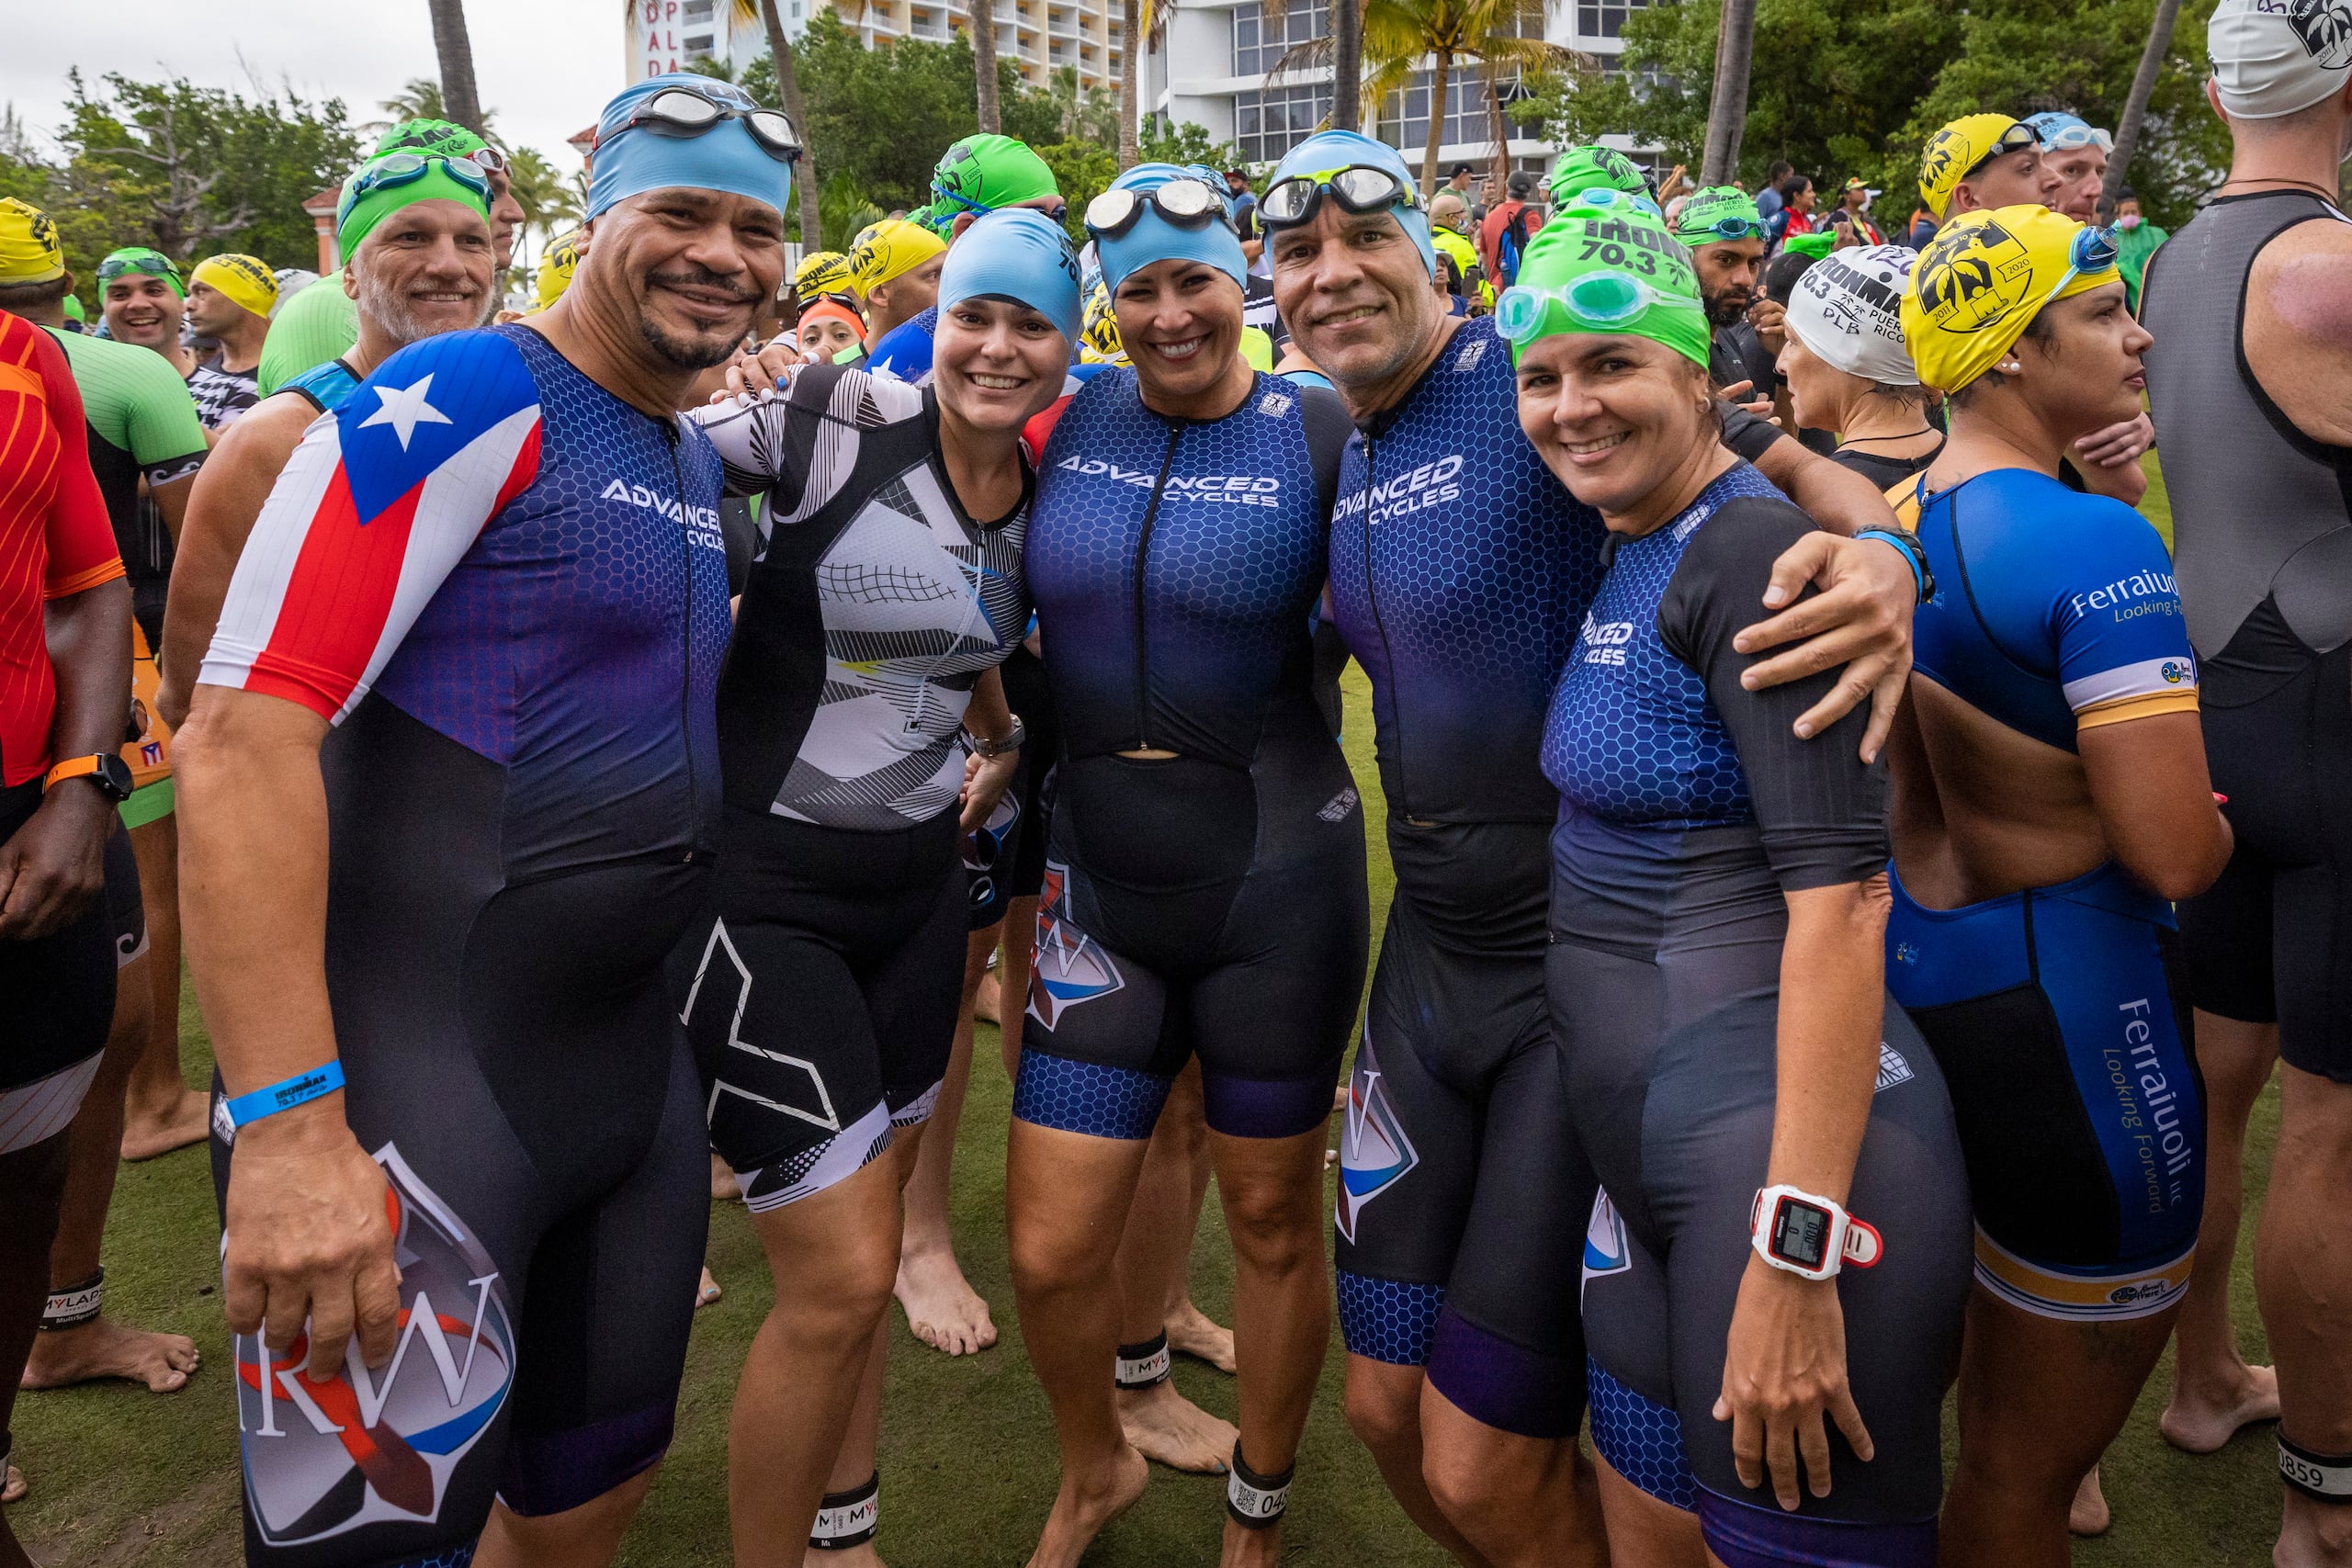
x=820 y=992
x=2262 y=519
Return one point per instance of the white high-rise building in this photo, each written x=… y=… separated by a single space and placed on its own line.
x=1215 y=66
x=1040 y=36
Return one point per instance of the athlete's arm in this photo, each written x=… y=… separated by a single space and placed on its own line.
x=2156 y=802
x=222 y=508
x=306 y=1235
x=2298 y=329
x=989 y=717
x=53 y=865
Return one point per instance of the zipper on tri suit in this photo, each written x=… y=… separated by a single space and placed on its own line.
x=687 y=632
x=1372 y=600
x=1143 y=551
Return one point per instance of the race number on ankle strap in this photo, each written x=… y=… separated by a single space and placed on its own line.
x=848 y=1519
x=75 y=1305
x=2326 y=1477
x=1255 y=1501
x=1144 y=1365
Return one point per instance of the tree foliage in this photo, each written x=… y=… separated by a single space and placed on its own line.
x=1165 y=141
x=1845 y=87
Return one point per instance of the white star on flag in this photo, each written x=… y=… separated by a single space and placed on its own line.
x=405 y=409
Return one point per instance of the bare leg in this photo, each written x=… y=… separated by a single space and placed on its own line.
x=942 y=1310
x=104 y=1348
x=585 y=1537
x=161 y=1112
x=1272 y=1191
x=832 y=1255
x=723 y=1188
x=1645 y=1532
x=2303 y=1271
x=1383 y=1405
x=1012 y=976
x=2214 y=1392
x=2039 y=1400
x=1067 y=1198
x=1153 y=1251
x=1191 y=1332
x=2088 y=1514
x=1521 y=1501
x=32 y=1184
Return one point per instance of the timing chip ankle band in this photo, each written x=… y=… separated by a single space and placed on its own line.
x=1255 y=1501
x=2325 y=1478
x=848 y=1519
x=75 y=1305
x=1142 y=1365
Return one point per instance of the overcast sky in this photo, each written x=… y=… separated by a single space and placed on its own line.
x=544 y=66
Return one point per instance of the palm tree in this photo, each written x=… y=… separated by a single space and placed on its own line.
x=546 y=197
x=983 y=14
x=1399 y=34
x=788 y=83
x=1727 y=109
x=1346 y=64
x=2136 y=106
x=456 y=56
x=1130 y=89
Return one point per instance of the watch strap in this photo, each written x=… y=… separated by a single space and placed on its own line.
x=1923 y=578
x=72 y=768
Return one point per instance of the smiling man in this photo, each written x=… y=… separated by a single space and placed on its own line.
x=474 y=639
x=1460 y=570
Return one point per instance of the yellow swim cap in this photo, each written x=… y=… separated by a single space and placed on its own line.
x=891 y=249
x=247 y=281
x=822 y=272
x=1954 y=151
x=30 y=250
x=1983 y=278
x=556 y=267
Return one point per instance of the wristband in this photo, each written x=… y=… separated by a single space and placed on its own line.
x=284 y=1095
x=1922 y=577
x=985 y=747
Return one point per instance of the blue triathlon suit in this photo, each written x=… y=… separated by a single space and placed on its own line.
x=905 y=350
x=1459 y=570
x=1212 y=903
x=1690 y=810
x=505 y=588
x=2060 y=1013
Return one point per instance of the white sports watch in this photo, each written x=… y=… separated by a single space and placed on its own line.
x=1808 y=1235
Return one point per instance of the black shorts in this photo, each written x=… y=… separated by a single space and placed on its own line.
x=1193 y=910
x=125 y=909
x=60 y=1002
x=2271 y=941
x=1463 y=1190
x=820 y=994
x=1026 y=692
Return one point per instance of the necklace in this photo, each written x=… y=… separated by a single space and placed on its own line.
x=1859 y=440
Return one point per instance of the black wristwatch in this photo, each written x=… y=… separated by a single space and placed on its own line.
x=1922 y=574
x=981 y=745
x=104 y=769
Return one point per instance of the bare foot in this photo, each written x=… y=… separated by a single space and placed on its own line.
x=942 y=1310
x=1245 y=1548
x=1191 y=1333
x=106 y=1350
x=1084 y=1507
x=723 y=1188
x=12 y=1486
x=708 y=1291
x=148 y=1131
x=862 y=1556
x=988 y=1002
x=1163 y=1424
x=2198 y=1427
x=2087 y=1513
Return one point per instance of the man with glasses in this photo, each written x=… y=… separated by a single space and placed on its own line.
x=475 y=640
x=320 y=323
x=1460 y=570
x=977 y=176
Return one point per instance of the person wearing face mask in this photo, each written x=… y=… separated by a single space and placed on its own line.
x=2136 y=238
x=1206 y=875
x=1777 y=1265
x=864 y=733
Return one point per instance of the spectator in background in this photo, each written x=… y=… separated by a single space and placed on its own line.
x=1855 y=204
x=1504 y=232
x=2136 y=240
x=1458 y=180
x=1457 y=258
x=1767 y=200
x=1795 y=214
x=1245 y=218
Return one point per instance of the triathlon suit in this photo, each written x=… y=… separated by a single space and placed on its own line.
x=504 y=587
x=317 y=324
x=2263 y=532
x=1689 y=811
x=1882 y=471
x=325 y=388
x=2058 y=1013
x=904 y=352
x=222 y=397
x=1211 y=903
x=824 y=979
x=1459 y=570
x=53 y=543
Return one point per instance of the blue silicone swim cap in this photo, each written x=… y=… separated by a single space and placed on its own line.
x=1018 y=253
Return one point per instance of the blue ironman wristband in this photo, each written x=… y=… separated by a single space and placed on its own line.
x=1913 y=554
x=285 y=1095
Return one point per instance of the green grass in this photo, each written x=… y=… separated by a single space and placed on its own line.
x=122 y=1476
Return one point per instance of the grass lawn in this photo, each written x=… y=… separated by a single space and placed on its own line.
x=122 y=1476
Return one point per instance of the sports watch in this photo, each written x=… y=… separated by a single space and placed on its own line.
x=987 y=746
x=1915 y=554
x=1809 y=1235
x=109 y=771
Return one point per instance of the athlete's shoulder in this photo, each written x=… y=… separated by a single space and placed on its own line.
x=905 y=350
x=2024 y=524
x=122 y=371
x=463 y=405
x=854 y=397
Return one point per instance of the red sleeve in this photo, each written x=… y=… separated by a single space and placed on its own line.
x=1040 y=428
x=81 y=541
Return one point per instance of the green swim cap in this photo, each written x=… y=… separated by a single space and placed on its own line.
x=983 y=172
x=363 y=205
x=1605 y=267
x=1815 y=245
x=73 y=311
x=1597 y=167
x=143 y=259
x=439 y=137
x=1717 y=214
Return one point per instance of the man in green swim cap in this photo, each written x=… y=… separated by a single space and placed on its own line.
x=1726 y=239
x=319 y=324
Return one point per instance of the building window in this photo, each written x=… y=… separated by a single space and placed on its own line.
x=1604 y=19
x=699 y=46
x=1257 y=45
x=697 y=11
x=1405 y=117
x=1270 y=123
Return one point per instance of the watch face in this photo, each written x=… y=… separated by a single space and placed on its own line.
x=116 y=774
x=1800 y=1234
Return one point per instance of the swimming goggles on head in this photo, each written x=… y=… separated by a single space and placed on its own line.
x=2092 y=251
x=1358 y=187
x=1604 y=301
x=682 y=111
x=1187 y=204
x=406 y=169
x=1058 y=212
